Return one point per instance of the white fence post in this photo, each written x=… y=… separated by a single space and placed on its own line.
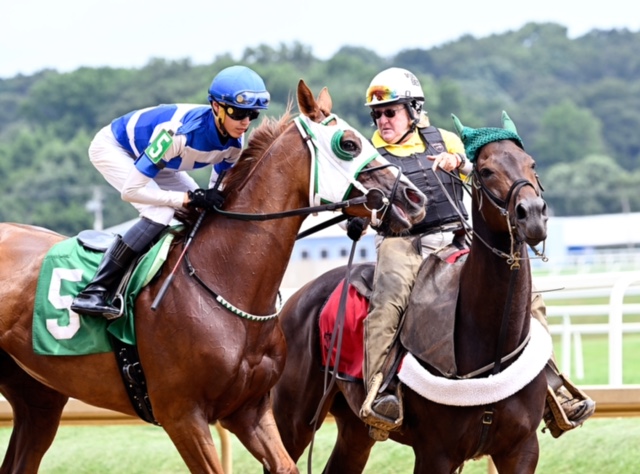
x=616 y=300
x=566 y=343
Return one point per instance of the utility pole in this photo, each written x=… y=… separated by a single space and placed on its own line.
x=95 y=206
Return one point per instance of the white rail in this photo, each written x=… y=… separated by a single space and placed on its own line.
x=617 y=286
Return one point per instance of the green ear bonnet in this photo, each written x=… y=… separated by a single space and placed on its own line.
x=475 y=138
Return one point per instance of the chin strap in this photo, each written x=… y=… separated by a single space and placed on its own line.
x=220 y=119
x=414 y=123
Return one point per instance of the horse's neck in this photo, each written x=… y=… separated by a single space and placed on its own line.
x=487 y=284
x=247 y=260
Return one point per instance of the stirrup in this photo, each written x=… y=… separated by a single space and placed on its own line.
x=101 y=309
x=556 y=418
x=118 y=304
x=386 y=403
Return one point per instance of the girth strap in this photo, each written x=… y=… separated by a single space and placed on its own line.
x=134 y=380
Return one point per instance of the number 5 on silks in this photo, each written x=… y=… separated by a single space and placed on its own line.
x=159 y=146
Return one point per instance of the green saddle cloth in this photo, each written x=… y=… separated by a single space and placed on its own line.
x=66 y=270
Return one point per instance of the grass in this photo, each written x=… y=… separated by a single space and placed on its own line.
x=600 y=446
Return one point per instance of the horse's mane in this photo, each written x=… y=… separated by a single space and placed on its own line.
x=258 y=143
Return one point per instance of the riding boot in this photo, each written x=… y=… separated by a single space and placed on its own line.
x=382 y=410
x=94 y=300
x=566 y=405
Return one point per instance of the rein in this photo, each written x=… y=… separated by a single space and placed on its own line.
x=314 y=149
x=336 y=341
x=293 y=212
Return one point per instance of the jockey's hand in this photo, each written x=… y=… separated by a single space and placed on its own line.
x=356 y=226
x=205 y=198
x=446 y=161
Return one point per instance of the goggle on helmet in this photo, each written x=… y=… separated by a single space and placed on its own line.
x=394 y=85
x=240 y=87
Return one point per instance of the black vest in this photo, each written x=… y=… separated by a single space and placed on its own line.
x=419 y=171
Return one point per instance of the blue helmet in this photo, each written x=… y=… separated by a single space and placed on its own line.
x=240 y=87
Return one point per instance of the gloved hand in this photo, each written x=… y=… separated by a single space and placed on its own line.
x=205 y=198
x=355 y=227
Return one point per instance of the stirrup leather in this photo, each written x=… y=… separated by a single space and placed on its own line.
x=381 y=423
x=555 y=416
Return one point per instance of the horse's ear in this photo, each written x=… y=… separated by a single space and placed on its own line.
x=457 y=124
x=508 y=124
x=324 y=101
x=307 y=103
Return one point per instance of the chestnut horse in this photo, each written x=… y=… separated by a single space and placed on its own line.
x=203 y=362
x=447 y=420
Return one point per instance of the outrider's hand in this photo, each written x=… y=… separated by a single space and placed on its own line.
x=355 y=227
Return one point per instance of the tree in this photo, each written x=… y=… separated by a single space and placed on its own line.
x=594 y=184
x=567 y=133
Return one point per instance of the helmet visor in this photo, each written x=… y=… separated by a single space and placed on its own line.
x=248 y=99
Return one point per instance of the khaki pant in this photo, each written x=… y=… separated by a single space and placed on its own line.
x=399 y=260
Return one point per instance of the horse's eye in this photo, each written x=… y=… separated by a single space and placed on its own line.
x=351 y=147
x=345 y=147
x=486 y=173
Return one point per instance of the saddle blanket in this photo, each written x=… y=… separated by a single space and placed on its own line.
x=352 y=350
x=356 y=310
x=66 y=270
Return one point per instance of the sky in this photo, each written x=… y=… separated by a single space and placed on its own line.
x=67 y=34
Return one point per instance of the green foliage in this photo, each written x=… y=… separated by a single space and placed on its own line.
x=599 y=188
x=570 y=98
x=567 y=134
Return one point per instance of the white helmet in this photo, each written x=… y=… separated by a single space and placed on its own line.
x=395 y=85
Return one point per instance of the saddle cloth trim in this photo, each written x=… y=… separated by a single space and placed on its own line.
x=483 y=391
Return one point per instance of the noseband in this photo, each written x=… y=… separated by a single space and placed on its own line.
x=386 y=201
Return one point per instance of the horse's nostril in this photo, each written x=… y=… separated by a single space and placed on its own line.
x=414 y=197
x=521 y=212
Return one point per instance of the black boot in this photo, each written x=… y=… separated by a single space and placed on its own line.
x=94 y=299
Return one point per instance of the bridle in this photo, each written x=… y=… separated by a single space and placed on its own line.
x=513 y=258
x=502 y=205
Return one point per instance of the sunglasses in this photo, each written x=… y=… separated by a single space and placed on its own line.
x=240 y=114
x=389 y=113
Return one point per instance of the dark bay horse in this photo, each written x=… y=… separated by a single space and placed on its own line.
x=447 y=420
x=203 y=362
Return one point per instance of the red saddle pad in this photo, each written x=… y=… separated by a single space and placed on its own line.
x=352 y=351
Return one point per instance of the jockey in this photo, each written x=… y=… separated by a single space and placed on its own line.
x=434 y=160
x=146 y=154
